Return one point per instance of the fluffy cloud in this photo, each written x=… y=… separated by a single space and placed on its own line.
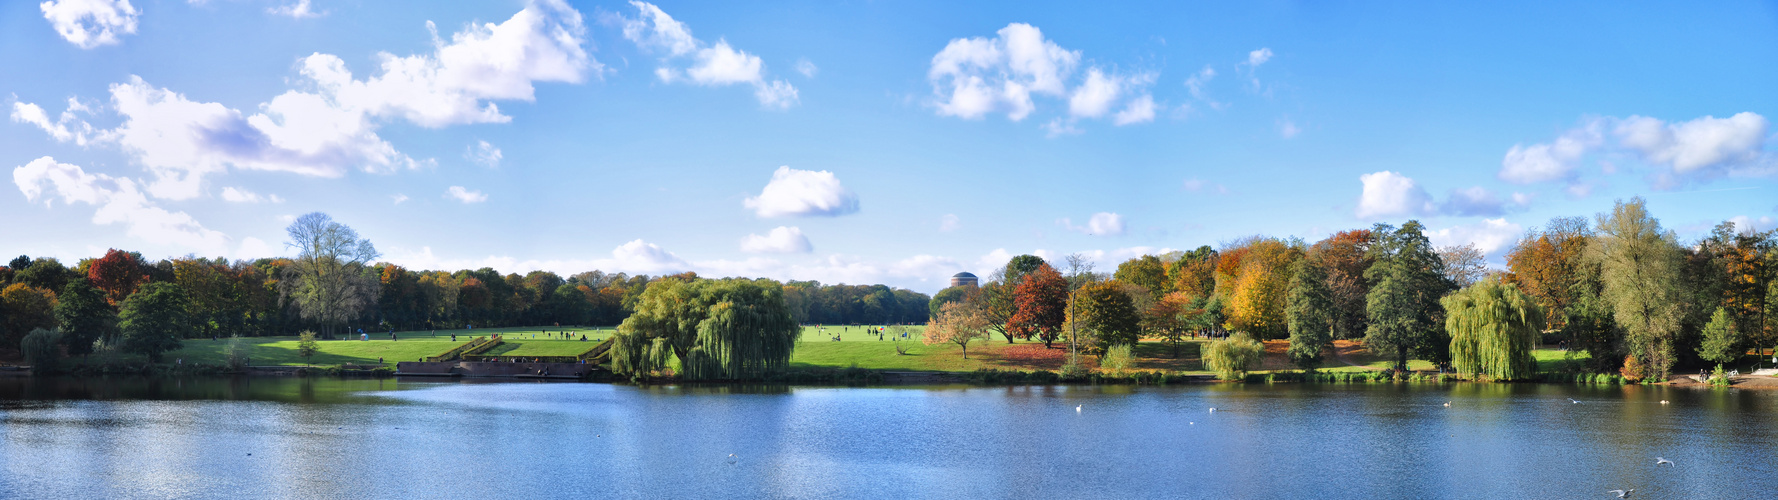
x=973 y=77
x=461 y=194
x=781 y=239
x=118 y=201
x=714 y=65
x=1389 y=194
x=1100 y=224
x=1749 y=225
x=807 y=68
x=1475 y=200
x=331 y=128
x=241 y=195
x=1258 y=57
x=454 y=84
x=802 y=193
x=636 y=256
x=484 y=154
x=91 y=23
x=1705 y=147
x=1490 y=236
x=1695 y=145
x=66 y=127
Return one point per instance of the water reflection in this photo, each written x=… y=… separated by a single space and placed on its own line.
x=333 y=438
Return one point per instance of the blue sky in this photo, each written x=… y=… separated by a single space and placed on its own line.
x=865 y=142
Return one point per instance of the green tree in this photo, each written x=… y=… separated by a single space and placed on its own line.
x=24 y=308
x=329 y=281
x=1721 y=339
x=1018 y=267
x=84 y=316
x=946 y=296
x=1309 y=313
x=1639 y=262
x=1146 y=271
x=1232 y=357
x=730 y=329
x=306 y=347
x=42 y=348
x=153 y=320
x=1108 y=312
x=1405 y=315
x=1493 y=328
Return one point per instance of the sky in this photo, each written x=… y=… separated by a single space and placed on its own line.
x=866 y=142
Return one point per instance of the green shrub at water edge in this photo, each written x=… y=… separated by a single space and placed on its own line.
x=1232 y=357
x=1117 y=358
x=42 y=348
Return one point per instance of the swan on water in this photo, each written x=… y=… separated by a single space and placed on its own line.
x=1659 y=461
x=1622 y=493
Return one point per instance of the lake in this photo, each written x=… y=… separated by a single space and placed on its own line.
x=358 y=438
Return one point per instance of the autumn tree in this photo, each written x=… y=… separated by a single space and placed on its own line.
x=1409 y=279
x=1042 y=306
x=118 y=274
x=1346 y=256
x=1309 y=313
x=958 y=323
x=1256 y=304
x=24 y=308
x=1493 y=329
x=1548 y=264
x=1019 y=266
x=1194 y=274
x=1147 y=272
x=1639 y=261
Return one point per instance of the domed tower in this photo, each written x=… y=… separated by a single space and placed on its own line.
x=964 y=279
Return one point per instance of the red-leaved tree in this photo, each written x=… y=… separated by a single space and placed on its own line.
x=1042 y=300
x=118 y=273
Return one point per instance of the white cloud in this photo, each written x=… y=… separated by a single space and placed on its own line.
x=253 y=248
x=118 y=200
x=802 y=193
x=398 y=197
x=1100 y=224
x=807 y=68
x=1695 y=145
x=1258 y=57
x=67 y=126
x=484 y=154
x=781 y=239
x=1059 y=126
x=1139 y=110
x=91 y=23
x=1701 y=148
x=464 y=195
x=453 y=85
x=636 y=257
x=1490 y=236
x=242 y=195
x=714 y=65
x=1389 y=194
x=325 y=131
x=299 y=10
x=949 y=223
x=972 y=77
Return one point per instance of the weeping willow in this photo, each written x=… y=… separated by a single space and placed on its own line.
x=730 y=329
x=1493 y=329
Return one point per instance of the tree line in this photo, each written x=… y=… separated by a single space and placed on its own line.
x=335 y=285
x=1618 y=287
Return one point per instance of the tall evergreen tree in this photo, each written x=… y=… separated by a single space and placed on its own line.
x=1404 y=312
x=1309 y=313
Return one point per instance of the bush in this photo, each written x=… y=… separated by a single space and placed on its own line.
x=1117 y=358
x=42 y=348
x=1074 y=371
x=235 y=354
x=1632 y=369
x=1232 y=357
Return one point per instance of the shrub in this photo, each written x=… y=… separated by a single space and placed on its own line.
x=1232 y=357
x=306 y=347
x=235 y=354
x=1632 y=369
x=42 y=348
x=1117 y=358
x=1073 y=371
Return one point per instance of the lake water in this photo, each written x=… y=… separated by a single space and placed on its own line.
x=330 y=438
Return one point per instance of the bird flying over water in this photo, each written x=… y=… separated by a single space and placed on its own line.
x=1622 y=493
x=1572 y=400
x=1659 y=461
